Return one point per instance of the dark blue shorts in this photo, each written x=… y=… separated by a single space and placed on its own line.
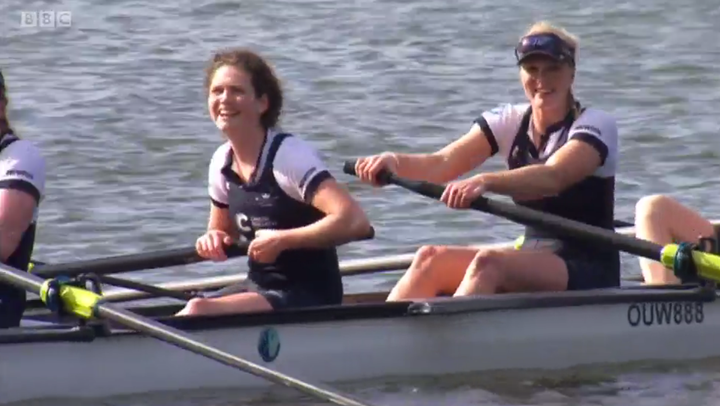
x=589 y=273
x=585 y=271
x=279 y=299
x=12 y=306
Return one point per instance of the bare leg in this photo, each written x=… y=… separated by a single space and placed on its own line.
x=510 y=270
x=434 y=270
x=663 y=220
x=237 y=303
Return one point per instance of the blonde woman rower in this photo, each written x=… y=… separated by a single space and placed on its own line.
x=561 y=158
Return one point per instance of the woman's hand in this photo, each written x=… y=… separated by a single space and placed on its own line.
x=459 y=194
x=267 y=245
x=368 y=168
x=211 y=245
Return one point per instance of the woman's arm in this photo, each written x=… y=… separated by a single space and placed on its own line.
x=574 y=162
x=448 y=163
x=344 y=220
x=22 y=185
x=17 y=208
x=220 y=220
x=302 y=175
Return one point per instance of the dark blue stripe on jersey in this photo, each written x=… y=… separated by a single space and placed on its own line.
x=21 y=185
x=485 y=127
x=218 y=204
x=312 y=187
x=600 y=146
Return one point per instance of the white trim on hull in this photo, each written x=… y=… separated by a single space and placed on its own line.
x=530 y=331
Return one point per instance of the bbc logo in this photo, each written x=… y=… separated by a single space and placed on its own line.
x=45 y=19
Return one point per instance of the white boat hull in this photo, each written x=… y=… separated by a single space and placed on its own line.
x=548 y=331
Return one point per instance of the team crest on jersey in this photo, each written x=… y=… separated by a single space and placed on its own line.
x=243 y=223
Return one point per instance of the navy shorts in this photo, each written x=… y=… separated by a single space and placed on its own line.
x=589 y=273
x=12 y=306
x=585 y=271
x=279 y=299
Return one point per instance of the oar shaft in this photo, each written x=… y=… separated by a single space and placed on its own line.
x=177 y=338
x=151 y=290
x=144 y=261
x=133 y=262
x=21 y=280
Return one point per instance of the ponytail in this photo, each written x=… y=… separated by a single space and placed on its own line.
x=575 y=107
x=4 y=123
x=5 y=128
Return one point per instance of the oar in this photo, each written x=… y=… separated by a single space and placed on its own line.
x=152 y=291
x=132 y=262
x=140 y=262
x=622 y=223
x=673 y=256
x=86 y=304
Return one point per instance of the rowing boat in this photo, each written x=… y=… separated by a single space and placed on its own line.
x=364 y=338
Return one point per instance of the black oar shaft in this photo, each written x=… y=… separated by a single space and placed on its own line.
x=144 y=261
x=154 y=291
x=530 y=217
x=133 y=262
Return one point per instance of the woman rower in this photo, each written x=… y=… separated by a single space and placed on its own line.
x=663 y=220
x=561 y=159
x=271 y=188
x=22 y=185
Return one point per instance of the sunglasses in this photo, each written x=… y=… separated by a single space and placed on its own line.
x=545 y=44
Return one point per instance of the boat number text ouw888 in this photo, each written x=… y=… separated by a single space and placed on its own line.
x=658 y=313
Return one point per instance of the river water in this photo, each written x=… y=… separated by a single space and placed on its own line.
x=115 y=101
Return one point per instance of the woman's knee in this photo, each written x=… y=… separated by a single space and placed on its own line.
x=653 y=206
x=426 y=257
x=487 y=265
x=196 y=305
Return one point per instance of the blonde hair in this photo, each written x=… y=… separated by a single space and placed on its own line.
x=545 y=27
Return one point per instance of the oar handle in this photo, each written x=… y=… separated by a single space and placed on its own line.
x=383 y=177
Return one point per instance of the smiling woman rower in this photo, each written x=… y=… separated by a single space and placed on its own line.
x=663 y=220
x=271 y=188
x=561 y=159
x=22 y=184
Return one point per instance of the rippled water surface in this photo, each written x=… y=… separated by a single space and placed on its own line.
x=116 y=104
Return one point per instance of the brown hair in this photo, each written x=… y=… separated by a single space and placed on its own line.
x=4 y=124
x=262 y=77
